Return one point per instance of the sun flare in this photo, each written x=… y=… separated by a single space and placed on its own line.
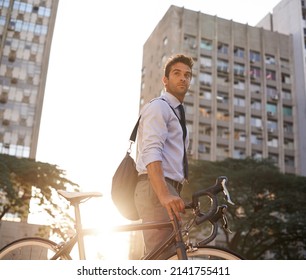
x=101 y=216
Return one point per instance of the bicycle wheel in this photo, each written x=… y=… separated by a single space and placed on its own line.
x=31 y=248
x=210 y=253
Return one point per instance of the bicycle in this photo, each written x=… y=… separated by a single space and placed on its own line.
x=40 y=248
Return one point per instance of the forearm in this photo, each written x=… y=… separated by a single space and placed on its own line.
x=172 y=203
x=157 y=179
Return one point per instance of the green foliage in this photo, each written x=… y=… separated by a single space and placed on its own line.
x=268 y=219
x=22 y=179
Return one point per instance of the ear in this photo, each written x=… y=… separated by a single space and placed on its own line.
x=165 y=80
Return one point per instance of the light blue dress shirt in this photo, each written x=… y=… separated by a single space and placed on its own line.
x=160 y=137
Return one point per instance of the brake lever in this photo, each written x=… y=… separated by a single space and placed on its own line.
x=226 y=192
x=225 y=221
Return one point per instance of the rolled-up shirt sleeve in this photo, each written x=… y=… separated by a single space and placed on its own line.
x=154 y=132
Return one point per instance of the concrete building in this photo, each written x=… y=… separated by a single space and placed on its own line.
x=26 y=29
x=289 y=17
x=10 y=231
x=243 y=100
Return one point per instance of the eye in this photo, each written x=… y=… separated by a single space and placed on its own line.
x=188 y=76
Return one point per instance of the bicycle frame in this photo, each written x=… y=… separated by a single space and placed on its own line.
x=213 y=215
x=23 y=248
x=78 y=237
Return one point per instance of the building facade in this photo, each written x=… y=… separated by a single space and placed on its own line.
x=242 y=100
x=26 y=29
x=289 y=17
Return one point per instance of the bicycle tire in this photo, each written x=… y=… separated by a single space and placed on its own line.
x=31 y=248
x=210 y=253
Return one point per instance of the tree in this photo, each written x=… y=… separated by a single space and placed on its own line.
x=23 y=179
x=268 y=219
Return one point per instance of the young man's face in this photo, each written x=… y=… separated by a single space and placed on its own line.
x=178 y=81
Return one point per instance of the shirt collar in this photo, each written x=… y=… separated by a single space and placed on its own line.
x=171 y=99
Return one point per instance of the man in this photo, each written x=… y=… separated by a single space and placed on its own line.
x=161 y=148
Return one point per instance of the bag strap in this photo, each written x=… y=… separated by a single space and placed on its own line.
x=134 y=132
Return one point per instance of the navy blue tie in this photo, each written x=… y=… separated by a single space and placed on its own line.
x=183 y=124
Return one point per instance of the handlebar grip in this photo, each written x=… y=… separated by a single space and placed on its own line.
x=204 y=217
x=211 y=192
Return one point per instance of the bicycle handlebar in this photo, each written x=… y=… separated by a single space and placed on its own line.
x=216 y=211
x=211 y=192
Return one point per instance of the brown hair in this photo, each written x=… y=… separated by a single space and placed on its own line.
x=175 y=59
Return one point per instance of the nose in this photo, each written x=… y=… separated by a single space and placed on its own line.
x=183 y=78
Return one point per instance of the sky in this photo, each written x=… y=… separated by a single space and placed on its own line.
x=93 y=85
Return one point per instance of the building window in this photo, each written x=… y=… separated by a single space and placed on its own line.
x=239 y=154
x=205 y=129
x=222 y=116
x=222 y=80
x=271 y=109
x=206 y=44
x=270 y=75
x=2 y=20
x=5 y=3
x=272 y=93
x=239 y=119
x=239 y=69
x=289 y=161
x=239 y=52
x=222 y=48
x=222 y=97
x=239 y=85
x=287 y=111
x=273 y=158
x=257 y=155
x=272 y=126
x=273 y=142
x=289 y=144
x=256 y=139
x=205 y=79
x=270 y=59
x=190 y=41
x=286 y=79
x=239 y=101
x=288 y=128
x=255 y=88
x=204 y=148
x=286 y=94
x=239 y=135
x=205 y=62
x=254 y=56
x=256 y=105
x=222 y=151
x=256 y=122
x=205 y=112
x=255 y=72
x=189 y=109
x=284 y=63
x=44 y=12
x=223 y=132
x=222 y=65
x=3 y=97
x=204 y=94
